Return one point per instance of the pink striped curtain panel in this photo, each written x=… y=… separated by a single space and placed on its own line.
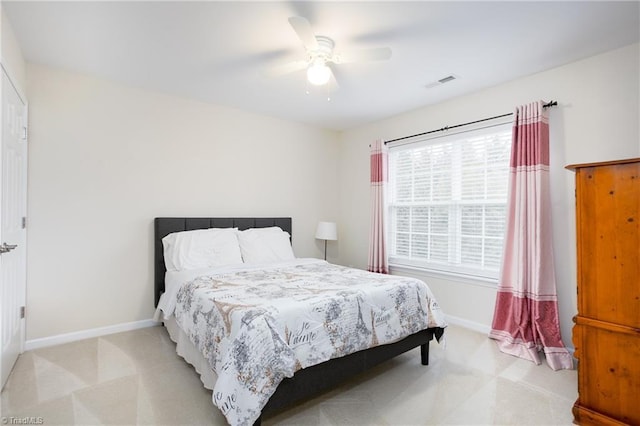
x=525 y=320
x=377 y=236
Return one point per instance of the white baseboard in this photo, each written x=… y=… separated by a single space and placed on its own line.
x=118 y=328
x=86 y=334
x=481 y=328
x=472 y=325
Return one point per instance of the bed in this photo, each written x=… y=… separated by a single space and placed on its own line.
x=307 y=380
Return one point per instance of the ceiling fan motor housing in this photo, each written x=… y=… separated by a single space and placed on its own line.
x=324 y=50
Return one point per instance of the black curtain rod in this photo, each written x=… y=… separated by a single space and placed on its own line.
x=549 y=104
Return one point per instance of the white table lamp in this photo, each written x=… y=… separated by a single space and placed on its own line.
x=327 y=231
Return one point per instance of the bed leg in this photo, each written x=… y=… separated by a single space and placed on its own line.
x=424 y=354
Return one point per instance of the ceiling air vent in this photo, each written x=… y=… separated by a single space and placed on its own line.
x=441 y=81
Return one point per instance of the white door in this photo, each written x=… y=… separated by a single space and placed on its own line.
x=13 y=235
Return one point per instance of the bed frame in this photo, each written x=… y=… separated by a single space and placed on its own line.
x=309 y=381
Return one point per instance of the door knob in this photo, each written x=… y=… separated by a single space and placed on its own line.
x=6 y=248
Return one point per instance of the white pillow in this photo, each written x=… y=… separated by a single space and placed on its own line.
x=201 y=248
x=260 y=245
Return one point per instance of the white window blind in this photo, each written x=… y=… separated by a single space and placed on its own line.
x=448 y=200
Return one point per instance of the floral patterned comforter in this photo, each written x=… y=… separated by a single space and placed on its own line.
x=258 y=326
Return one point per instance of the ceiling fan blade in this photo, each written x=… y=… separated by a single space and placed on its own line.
x=287 y=68
x=377 y=54
x=302 y=27
x=333 y=81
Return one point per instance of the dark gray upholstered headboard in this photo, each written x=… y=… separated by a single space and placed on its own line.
x=166 y=225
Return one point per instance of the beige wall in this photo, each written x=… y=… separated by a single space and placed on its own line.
x=11 y=55
x=596 y=120
x=106 y=159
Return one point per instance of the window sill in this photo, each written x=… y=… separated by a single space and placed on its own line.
x=451 y=276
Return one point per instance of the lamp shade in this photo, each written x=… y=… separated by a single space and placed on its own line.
x=327 y=231
x=318 y=73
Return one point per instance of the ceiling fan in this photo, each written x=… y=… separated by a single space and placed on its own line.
x=320 y=54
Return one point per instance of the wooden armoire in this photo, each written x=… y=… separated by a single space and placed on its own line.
x=606 y=333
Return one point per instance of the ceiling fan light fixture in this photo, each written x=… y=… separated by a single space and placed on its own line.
x=318 y=73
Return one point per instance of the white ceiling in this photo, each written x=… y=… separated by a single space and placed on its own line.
x=218 y=52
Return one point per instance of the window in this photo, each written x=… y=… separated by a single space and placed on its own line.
x=448 y=201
